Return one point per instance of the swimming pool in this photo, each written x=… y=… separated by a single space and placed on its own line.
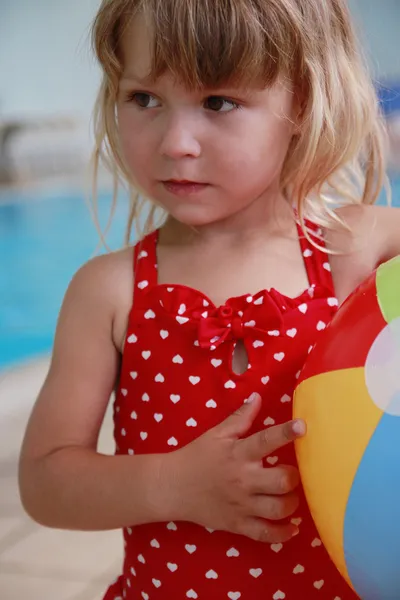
x=44 y=238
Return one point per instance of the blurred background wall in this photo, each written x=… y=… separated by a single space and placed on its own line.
x=46 y=66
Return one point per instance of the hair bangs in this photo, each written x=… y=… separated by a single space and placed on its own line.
x=207 y=44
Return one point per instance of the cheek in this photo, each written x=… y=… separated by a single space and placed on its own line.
x=135 y=143
x=260 y=141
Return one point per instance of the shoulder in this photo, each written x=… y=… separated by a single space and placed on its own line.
x=370 y=238
x=371 y=229
x=103 y=275
x=102 y=289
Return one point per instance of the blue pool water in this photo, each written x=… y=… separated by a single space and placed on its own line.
x=44 y=239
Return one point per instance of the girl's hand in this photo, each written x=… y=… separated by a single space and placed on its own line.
x=221 y=482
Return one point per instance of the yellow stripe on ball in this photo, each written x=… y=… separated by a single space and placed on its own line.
x=338 y=432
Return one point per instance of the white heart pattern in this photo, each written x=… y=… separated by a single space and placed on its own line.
x=234 y=595
x=232 y=552
x=141 y=559
x=178 y=360
x=144 y=435
x=175 y=398
x=191 y=594
x=150 y=314
x=156 y=583
x=230 y=385
x=298 y=570
x=145 y=398
x=190 y=548
x=274 y=333
x=269 y=421
x=132 y=339
x=159 y=378
x=292 y=332
x=272 y=460
x=164 y=334
x=142 y=285
x=145 y=596
x=255 y=573
x=211 y=574
x=319 y=584
x=265 y=380
x=258 y=344
x=158 y=417
x=155 y=544
x=211 y=404
x=216 y=362
x=303 y=308
x=279 y=595
x=172 y=567
x=316 y=542
x=279 y=356
x=276 y=547
x=172 y=442
x=285 y=399
x=321 y=326
x=194 y=380
x=146 y=354
x=182 y=320
x=250 y=324
x=133 y=375
x=191 y=423
x=172 y=527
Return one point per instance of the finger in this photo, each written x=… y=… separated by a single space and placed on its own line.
x=263 y=443
x=274 y=508
x=269 y=533
x=239 y=423
x=274 y=480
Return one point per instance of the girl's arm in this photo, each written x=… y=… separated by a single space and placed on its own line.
x=64 y=482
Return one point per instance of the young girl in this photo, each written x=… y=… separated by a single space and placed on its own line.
x=254 y=127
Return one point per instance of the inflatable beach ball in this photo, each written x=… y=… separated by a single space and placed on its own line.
x=349 y=461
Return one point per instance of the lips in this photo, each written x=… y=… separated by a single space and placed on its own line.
x=183 y=182
x=183 y=187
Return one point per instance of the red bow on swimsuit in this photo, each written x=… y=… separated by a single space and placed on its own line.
x=231 y=323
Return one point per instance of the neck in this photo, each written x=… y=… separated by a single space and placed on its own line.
x=263 y=217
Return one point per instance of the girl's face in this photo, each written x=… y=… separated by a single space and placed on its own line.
x=204 y=156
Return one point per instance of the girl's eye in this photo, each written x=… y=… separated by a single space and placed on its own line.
x=144 y=100
x=219 y=104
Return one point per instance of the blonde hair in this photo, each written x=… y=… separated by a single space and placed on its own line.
x=337 y=157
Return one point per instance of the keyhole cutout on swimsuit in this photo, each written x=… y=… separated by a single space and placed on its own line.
x=240 y=358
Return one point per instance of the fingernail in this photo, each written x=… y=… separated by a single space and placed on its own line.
x=299 y=427
x=251 y=399
x=296 y=532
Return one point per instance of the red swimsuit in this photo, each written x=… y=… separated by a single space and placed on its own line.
x=176 y=383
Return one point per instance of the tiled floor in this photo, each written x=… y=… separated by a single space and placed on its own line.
x=36 y=563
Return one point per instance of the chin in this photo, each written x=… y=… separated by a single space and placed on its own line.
x=197 y=216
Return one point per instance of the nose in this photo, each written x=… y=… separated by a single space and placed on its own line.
x=179 y=138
